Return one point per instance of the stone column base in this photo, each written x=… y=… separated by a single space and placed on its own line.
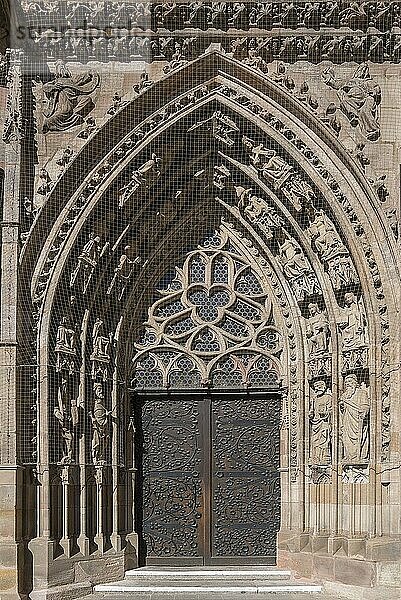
x=346 y=577
x=58 y=577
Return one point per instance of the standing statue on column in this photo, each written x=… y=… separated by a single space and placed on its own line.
x=87 y=262
x=317 y=331
x=100 y=418
x=67 y=415
x=100 y=356
x=353 y=325
x=320 y=424
x=354 y=410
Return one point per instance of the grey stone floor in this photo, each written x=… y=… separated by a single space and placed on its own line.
x=270 y=596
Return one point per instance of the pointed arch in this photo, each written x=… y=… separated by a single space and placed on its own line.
x=306 y=220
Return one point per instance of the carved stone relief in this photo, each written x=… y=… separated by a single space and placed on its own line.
x=69 y=98
x=220 y=126
x=332 y=251
x=354 y=406
x=100 y=418
x=320 y=419
x=318 y=341
x=145 y=175
x=66 y=408
x=123 y=273
x=309 y=157
x=101 y=351
x=359 y=100
x=87 y=262
x=298 y=270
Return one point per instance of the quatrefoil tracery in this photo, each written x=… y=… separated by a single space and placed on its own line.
x=214 y=306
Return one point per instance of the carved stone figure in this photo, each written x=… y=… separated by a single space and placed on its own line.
x=325 y=238
x=65 y=158
x=100 y=418
x=145 y=175
x=298 y=192
x=45 y=182
x=354 y=410
x=178 y=60
x=66 y=413
x=317 y=331
x=69 y=98
x=123 y=273
x=359 y=99
x=353 y=326
x=266 y=161
x=117 y=104
x=360 y=156
x=87 y=262
x=221 y=127
x=221 y=176
x=341 y=271
x=90 y=127
x=144 y=83
x=355 y=474
x=257 y=209
x=255 y=61
x=282 y=78
x=329 y=117
x=100 y=356
x=292 y=259
x=65 y=347
x=380 y=187
x=320 y=424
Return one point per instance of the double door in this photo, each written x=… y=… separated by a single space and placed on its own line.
x=209 y=487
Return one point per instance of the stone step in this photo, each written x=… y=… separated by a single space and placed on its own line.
x=193 y=574
x=205 y=588
x=151 y=595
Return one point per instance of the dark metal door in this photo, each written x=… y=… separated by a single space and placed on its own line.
x=210 y=481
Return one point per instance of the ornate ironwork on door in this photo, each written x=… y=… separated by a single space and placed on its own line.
x=245 y=477
x=210 y=479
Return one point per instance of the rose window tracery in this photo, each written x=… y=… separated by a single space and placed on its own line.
x=213 y=325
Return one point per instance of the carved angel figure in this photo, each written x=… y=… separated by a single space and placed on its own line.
x=359 y=99
x=69 y=98
x=354 y=409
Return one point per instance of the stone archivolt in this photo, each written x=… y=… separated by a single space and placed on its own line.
x=293 y=224
x=324 y=237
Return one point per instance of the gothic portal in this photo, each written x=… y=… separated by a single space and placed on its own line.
x=200 y=291
x=209 y=485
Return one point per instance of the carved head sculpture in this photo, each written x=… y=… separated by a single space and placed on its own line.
x=349 y=298
x=61 y=69
x=320 y=387
x=351 y=382
x=313 y=310
x=98 y=391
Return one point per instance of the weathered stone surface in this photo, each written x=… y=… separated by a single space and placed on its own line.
x=276 y=126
